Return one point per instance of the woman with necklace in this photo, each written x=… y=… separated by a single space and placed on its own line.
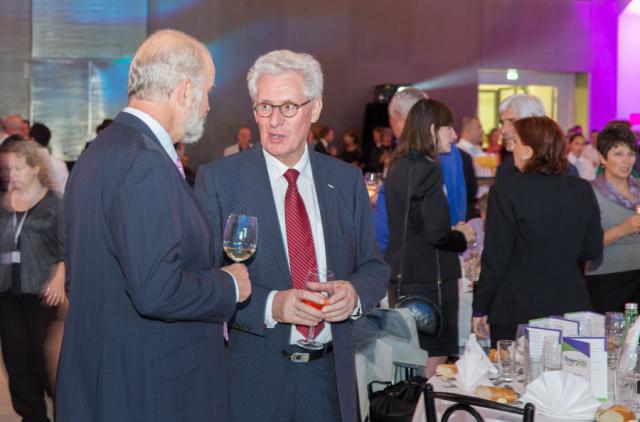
x=614 y=278
x=31 y=276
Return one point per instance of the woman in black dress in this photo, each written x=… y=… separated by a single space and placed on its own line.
x=431 y=250
x=540 y=225
x=31 y=276
x=351 y=152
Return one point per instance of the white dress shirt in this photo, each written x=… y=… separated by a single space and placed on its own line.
x=167 y=145
x=307 y=190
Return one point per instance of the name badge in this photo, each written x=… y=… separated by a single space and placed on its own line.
x=15 y=257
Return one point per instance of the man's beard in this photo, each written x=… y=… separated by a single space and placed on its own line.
x=194 y=125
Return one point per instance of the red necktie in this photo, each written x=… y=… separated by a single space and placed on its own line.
x=302 y=253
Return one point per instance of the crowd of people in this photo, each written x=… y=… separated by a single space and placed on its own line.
x=162 y=326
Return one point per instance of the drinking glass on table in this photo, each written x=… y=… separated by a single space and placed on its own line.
x=614 y=331
x=627 y=377
x=315 y=275
x=551 y=354
x=506 y=357
x=240 y=237
x=523 y=357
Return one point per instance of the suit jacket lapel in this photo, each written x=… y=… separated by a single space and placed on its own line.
x=259 y=191
x=327 y=192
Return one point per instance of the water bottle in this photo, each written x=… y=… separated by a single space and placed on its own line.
x=630 y=316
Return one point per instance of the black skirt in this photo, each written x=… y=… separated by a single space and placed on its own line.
x=446 y=344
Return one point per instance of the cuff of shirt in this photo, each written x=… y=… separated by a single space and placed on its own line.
x=357 y=311
x=235 y=285
x=269 y=322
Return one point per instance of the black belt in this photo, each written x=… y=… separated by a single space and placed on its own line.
x=298 y=354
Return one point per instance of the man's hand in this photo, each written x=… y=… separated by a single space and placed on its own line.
x=288 y=307
x=342 y=299
x=240 y=273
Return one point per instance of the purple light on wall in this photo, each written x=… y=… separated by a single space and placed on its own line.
x=628 y=101
x=604 y=62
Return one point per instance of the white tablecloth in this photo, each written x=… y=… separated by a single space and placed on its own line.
x=488 y=414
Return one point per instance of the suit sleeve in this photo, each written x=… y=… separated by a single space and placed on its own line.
x=147 y=233
x=249 y=315
x=499 y=241
x=434 y=212
x=371 y=275
x=593 y=242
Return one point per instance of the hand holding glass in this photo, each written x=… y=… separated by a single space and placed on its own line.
x=315 y=275
x=240 y=237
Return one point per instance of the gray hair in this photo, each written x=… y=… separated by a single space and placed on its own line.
x=523 y=105
x=402 y=101
x=162 y=61
x=280 y=61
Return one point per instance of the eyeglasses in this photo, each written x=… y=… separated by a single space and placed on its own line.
x=286 y=109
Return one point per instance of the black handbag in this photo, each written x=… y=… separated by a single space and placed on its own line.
x=397 y=402
x=428 y=315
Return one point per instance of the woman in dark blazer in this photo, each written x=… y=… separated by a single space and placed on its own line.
x=540 y=226
x=427 y=132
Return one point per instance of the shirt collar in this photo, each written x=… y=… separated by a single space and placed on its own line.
x=157 y=129
x=276 y=169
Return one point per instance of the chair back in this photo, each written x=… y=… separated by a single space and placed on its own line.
x=467 y=404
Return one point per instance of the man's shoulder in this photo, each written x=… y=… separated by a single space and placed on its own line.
x=329 y=164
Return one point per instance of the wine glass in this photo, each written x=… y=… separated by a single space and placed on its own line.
x=316 y=275
x=372 y=180
x=240 y=237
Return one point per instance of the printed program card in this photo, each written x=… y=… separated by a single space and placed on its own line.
x=587 y=357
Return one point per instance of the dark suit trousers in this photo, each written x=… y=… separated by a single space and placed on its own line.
x=23 y=329
x=310 y=393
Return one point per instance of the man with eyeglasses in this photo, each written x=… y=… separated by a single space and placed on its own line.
x=313 y=211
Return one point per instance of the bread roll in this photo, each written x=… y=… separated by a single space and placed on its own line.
x=447 y=370
x=615 y=413
x=493 y=355
x=496 y=393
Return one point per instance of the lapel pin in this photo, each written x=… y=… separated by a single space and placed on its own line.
x=331 y=186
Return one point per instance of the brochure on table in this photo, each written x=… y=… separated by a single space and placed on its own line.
x=567 y=326
x=587 y=357
x=584 y=345
x=591 y=323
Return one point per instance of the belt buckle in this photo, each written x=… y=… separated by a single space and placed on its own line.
x=300 y=357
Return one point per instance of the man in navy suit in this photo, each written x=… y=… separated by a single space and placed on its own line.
x=144 y=334
x=313 y=211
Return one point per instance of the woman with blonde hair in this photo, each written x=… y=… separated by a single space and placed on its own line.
x=31 y=276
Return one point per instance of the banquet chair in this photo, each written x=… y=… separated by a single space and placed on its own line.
x=468 y=404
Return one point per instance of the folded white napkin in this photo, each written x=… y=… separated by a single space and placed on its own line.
x=474 y=367
x=562 y=395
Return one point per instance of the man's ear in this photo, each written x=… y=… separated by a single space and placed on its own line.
x=182 y=92
x=316 y=109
